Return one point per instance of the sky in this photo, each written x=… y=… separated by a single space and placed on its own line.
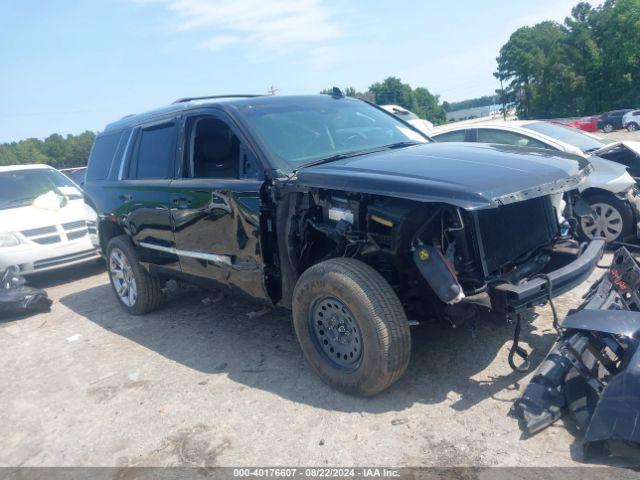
x=75 y=65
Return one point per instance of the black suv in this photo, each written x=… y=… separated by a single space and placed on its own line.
x=338 y=210
x=610 y=121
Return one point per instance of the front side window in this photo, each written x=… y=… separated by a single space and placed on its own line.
x=213 y=151
x=154 y=152
x=455 y=136
x=22 y=187
x=490 y=135
x=302 y=131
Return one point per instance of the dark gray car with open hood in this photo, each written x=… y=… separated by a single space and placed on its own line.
x=339 y=211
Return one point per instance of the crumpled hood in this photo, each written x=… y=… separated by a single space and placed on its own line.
x=468 y=175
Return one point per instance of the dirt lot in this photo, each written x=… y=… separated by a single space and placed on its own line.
x=208 y=383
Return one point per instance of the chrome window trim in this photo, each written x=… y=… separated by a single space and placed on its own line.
x=125 y=154
x=211 y=257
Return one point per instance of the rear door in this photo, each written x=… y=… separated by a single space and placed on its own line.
x=215 y=204
x=506 y=137
x=143 y=191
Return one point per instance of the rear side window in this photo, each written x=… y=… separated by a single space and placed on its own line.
x=154 y=152
x=487 y=135
x=102 y=154
x=456 y=136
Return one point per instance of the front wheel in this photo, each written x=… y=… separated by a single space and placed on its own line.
x=136 y=290
x=351 y=326
x=612 y=218
x=632 y=127
x=608 y=128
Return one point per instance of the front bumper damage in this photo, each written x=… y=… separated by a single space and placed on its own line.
x=509 y=297
x=592 y=373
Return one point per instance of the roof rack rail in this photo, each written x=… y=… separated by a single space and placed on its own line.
x=207 y=97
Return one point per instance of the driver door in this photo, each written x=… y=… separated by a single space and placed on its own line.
x=215 y=205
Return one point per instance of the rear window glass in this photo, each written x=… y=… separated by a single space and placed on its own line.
x=456 y=136
x=154 y=152
x=102 y=155
x=569 y=135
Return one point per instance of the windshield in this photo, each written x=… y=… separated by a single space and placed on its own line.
x=569 y=135
x=21 y=187
x=305 y=131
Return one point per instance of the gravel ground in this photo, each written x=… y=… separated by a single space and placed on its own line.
x=209 y=383
x=620 y=135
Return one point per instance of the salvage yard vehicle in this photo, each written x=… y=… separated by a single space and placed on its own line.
x=610 y=121
x=631 y=121
x=408 y=116
x=334 y=208
x=44 y=222
x=610 y=189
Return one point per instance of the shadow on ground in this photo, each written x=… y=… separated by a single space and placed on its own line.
x=54 y=278
x=262 y=352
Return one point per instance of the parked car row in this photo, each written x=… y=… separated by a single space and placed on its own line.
x=609 y=121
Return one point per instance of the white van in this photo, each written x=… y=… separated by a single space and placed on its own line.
x=44 y=223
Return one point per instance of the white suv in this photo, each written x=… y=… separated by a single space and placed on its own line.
x=44 y=223
x=631 y=121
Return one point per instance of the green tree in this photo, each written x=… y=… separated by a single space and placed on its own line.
x=588 y=65
x=393 y=91
x=55 y=150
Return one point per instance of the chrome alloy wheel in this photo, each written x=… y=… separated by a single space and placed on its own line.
x=606 y=223
x=122 y=277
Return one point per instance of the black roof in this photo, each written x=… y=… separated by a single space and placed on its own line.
x=185 y=106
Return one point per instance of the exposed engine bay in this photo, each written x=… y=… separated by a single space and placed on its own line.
x=592 y=373
x=441 y=259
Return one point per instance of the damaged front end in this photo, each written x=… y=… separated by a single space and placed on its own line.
x=593 y=371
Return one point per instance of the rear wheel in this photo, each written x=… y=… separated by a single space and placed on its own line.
x=351 y=326
x=612 y=218
x=136 y=290
x=632 y=127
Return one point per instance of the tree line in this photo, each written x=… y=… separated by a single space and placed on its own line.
x=392 y=91
x=587 y=65
x=55 y=150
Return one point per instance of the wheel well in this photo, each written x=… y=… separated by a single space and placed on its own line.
x=596 y=191
x=108 y=230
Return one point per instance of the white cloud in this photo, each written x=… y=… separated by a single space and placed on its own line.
x=276 y=25
x=219 y=42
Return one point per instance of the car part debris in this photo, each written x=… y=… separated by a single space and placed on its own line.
x=592 y=373
x=16 y=298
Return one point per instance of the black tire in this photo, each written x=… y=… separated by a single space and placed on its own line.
x=149 y=288
x=632 y=127
x=624 y=211
x=378 y=316
x=608 y=128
